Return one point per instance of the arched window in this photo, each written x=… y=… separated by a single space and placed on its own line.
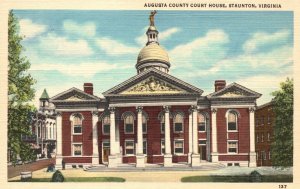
x=106 y=125
x=144 y=122
x=162 y=124
x=201 y=122
x=178 y=123
x=77 y=124
x=232 y=121
x=129 y=124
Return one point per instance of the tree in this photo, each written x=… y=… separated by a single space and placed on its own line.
x=20 y=94
x=282 y=146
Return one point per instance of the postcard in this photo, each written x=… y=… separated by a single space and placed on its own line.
x=149 y=94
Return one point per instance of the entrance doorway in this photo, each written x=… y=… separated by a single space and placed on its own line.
x=105 y=151
x=202 y=149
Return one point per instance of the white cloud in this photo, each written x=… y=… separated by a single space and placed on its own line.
x=264 y=84
x=162 y=36
x=30 y=29
x=114 y=47
x=58 y=45
x=261 y=39
x=87 y=69
x=85 y=29
x=203 y=50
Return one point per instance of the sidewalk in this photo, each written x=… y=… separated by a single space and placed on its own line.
x=159 y=176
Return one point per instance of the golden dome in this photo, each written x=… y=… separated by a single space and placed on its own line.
x=153 y=53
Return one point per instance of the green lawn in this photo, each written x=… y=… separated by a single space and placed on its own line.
x=79 y=179
x=237 y=178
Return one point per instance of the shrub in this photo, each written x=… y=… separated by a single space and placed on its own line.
x=57 y=177
x=255 y=176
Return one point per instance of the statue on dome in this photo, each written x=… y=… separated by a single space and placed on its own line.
x=151 y=17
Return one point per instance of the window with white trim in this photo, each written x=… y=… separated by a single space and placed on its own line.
x=162 y=146
x=202 y=142
x=162 y=124
x=178 y=123
x=257 y=137
x=232 y=147
x=77 y=149
x=77 y=124
x=263 y=155
x=257 y=154
x=262 y=137
x=129 y=147
x=201 y=122
x=268 y=136
x=178 y=146
x=232 y=121
x=106 y=125
x=145 y=146
x=129 y=124
x=144 y=124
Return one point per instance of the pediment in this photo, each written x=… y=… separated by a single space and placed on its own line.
x=153 y=82
x=74 y=95
x=153 y=85
x=234 y=90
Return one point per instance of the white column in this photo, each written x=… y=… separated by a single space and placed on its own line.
x=190 y=137
x=140 y=162
x=214 y=154
x=48 y=130
x=54 y=131
x=252 y=155
x=112 y=159
x=95 y=158
x=195 y=154
x=58 y=141
x=168 y=155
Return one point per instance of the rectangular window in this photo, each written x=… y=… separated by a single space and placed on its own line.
x=201 y=126
x=269 y=119
x=162 y=144
x=269 y=155
x=257 y=138
x=263 y=155
x=231 y=126
x=178 y=147
x=129 y=128
x=129 y=147
x=262 y=137
x=178 y=127
x=145 y=147
x=232 y=147
x=268 y=137
x=202 y=142
x=77 y=149
x=144 y=128
x=263 y=120
x=77 y=129
x=106 y=129
x=162 y=128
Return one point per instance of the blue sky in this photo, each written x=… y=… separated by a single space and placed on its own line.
x=67 y=48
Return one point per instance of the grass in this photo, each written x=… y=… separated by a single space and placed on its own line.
x=78 y=179
x=237 y=178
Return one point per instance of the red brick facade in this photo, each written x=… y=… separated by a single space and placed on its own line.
x=264 y=125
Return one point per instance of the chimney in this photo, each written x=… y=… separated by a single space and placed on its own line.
x=88 y=88
x=220 y=84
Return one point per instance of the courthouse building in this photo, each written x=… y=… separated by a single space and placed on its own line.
x=156 y=118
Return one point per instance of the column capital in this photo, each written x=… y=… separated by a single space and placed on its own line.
x=166 y=109
x=95 y=113
x=214 y=110
x=252 y=109
x=193 y=108
x=58 y=113
x=139 y=109
x=112 y=109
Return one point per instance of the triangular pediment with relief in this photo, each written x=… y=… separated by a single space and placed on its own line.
x=234 y=90
x=153 y=82
x=74 y=95
x=153 y=85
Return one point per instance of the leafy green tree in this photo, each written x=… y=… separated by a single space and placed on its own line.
x=20 y=93
x=282 y=146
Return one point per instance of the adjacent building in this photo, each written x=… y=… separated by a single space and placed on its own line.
x=156 y=118
x=264 y=131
